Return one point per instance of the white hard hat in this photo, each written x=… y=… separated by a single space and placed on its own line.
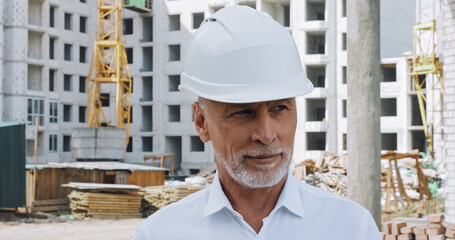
x=241 y=55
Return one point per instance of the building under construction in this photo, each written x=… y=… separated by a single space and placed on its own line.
x=46 y=54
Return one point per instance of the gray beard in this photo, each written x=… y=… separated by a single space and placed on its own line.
x=261 y=178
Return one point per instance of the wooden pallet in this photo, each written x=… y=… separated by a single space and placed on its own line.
x=51 y=205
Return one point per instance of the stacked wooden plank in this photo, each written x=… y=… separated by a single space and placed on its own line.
x=399 y=230
x=115 y=201
x=52 y=206
x=105 y=205
x=157 y=197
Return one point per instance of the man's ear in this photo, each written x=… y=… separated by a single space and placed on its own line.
x=200 y=122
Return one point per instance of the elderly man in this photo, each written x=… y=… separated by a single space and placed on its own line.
x=246 y=70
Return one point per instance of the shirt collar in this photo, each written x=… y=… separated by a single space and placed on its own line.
x=289 y=198
x=217 y=200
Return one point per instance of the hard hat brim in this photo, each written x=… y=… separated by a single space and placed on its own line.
x=248 y=93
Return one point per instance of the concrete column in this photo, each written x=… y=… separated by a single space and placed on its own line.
x=1 y=61
x=449 y=106
x=363 y=106
x=331 y=79
x=14 y=61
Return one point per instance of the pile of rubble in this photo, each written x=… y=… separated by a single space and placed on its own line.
x=433 y=172
x=327 y=173
x=157 y=197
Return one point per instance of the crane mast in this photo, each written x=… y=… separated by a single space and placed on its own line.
x=109 y=65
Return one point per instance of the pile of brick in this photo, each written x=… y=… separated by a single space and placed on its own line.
x=434 y=230
x=450 y=232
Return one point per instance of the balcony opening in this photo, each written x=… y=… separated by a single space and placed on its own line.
x=174 y=82
x=344 y=111
x=388 y=107
x=82 y=114
x=147 y=56
x=418 y=140
x=147 y=144
x=52 y=79
x=389 y=141
x=174 y=53
x=34 y=12
x=82 y=54
x=53 y=142
x=278 y=10
x=127 y=26
x=34 y=80
x=173 y=145
x=197 y=19
x=174 y=22
x=83 y=24
x=174 y=113
x=147 y=118
x=389 y=73
x=315 y=10
x=343 y=42
x=147 y=89
x=344 y=75
x=52 y=16
x=316 y=141
x=67 y=115
x=287 y=16
x=416 y=118
x=53 y=112
x=315 y=42
x=343 y=8
x=68 y=21
x=67 y=83
x=51 y=48
x=131 y=115
x=82 y=84
x=315 y=109
x=345 y=141
x=129 y=55
x=147 y=29
x=34 y=45
x=316 y=74
x=196 y=145
x=67 y=55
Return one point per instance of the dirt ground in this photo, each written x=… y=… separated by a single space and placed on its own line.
x=89 y=229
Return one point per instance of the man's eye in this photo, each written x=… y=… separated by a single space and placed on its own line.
x=244 y=112
x=280 y=107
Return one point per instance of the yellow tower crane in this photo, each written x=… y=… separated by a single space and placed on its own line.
x=109 y=64
x=425 y=65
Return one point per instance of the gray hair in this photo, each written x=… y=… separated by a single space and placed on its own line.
x=204 y=105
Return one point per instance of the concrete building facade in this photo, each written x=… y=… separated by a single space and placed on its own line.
x=45 y=59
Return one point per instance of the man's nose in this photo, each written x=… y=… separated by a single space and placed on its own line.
x=264 y=129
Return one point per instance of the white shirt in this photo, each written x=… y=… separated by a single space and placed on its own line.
x=302 y=212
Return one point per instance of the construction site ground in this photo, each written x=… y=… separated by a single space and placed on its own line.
x=87 y=229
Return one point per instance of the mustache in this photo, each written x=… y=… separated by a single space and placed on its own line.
x=263 y=150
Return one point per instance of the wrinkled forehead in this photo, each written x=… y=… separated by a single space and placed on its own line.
x=253 y=105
